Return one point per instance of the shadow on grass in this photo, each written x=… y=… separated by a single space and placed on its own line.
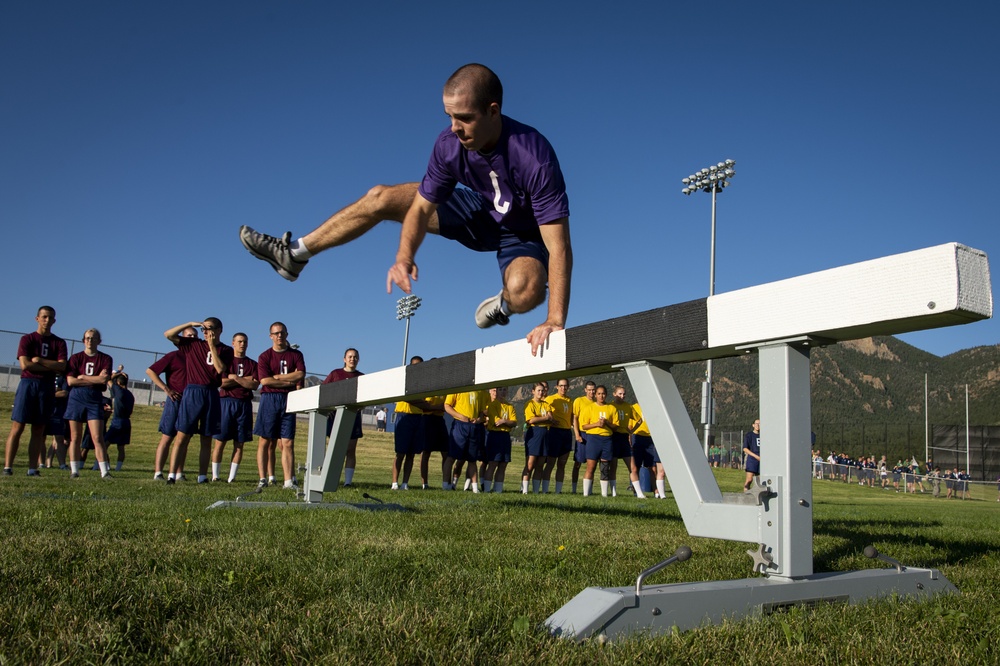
x=638 y=509
x=855 y=535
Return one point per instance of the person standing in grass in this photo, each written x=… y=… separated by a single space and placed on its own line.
x=280 y=370
x=87 y=374
x=349 y=371
x=42 y=356
x=468 y=432
x=56 y=426
x=171 y=366
x=538 y=416
x=122 y=402
x=621 y=443
x=435 y=439
x=751 y=451
x=501 y=417
x=560 y=437
x=596 y=422
x=644 y=453
x=235 y=408
x=206 y=362
x=580 y=445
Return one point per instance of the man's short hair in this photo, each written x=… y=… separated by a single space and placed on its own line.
x=121 y=379
x=241 y=333
x=215 y=322
x=277 y=323
x=46 y=307
x=480 y=82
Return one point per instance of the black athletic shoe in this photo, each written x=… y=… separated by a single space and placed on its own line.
x=275 y=251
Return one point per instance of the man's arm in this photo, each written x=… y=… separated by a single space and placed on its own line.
x=410 y=237
x=174 y=334
x=555 y=235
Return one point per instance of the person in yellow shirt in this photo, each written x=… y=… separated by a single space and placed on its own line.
x=644 y=453
x=435 y=437
x=501 y=418
x=595 y=421
x=559 y=442
x=539 y=418
x=468 y=432
x=408 y=438
x=622 y=444
x=580 y=455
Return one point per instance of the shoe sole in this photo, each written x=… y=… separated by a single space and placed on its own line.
x=245 y=230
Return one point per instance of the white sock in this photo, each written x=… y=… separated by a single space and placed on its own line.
x=504 y=307
x=169 y=476
x=614 y=488
x=271 y=481
x=299 y=250
x=588 y=486
x=475 y=488
x=215 y=470
x=604 y=488
x=348 y=475
x=232 y=471
x=487 y=485
x=498 y=487
x=638 y=490
x=545 y=486
x=394 y=486
x=558 y=487
x=468 y=484
x=661 y=486
x=289 y=484
x=524 y=486
x=105 y=467
x=74 y=466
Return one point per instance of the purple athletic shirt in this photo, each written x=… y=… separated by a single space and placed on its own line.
x=273 y=363
x=81 y=365
x=340 y=374
x=171 y=366
x=241 y=367
x=51 y=348
x=198 y=361
x=521 y=176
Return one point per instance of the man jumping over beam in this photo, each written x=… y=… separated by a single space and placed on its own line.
x=516 y=206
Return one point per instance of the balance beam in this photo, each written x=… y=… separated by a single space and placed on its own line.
x=780 y=322
x=930 y=288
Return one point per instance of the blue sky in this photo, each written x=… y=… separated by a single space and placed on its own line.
x=138 y=137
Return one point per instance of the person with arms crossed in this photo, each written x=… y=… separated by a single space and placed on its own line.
x=559 y=440
x=350 y=369
x=42 y=356
x=468 y=433
x=280 y=370
x=580 y=445
x=206 y=362
x=596 y=422
x=501 y=417
x=87 y=374
x=515 y=205
x=235 y=408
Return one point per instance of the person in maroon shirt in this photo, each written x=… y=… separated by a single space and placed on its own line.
x=87 y=374
x=280 y=370
x=350 y=369
x=42 y=356
x=236 y=400
x=206 y=362
x=171 y=366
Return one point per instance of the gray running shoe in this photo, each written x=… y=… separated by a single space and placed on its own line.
x=489 y=313
x=275 y=251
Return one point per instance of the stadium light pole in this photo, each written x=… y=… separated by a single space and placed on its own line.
x=406 y=307
x=711 y=179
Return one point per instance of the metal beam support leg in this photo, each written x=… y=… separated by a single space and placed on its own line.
x=326 y=463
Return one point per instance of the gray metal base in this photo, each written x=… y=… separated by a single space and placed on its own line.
x=617 y=611
x=358 y=506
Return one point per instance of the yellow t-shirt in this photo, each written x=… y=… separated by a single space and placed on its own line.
x=434 y=401
x=562 y=411
x=643 y=428
x=503 y=411
x=470 y=404
x=534 y=409
x=592 y=412
x=407 y=408
x=622 y=417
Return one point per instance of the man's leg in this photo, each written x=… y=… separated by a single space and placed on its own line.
x=162 y=452
x=204 y=458
x=13 y=442
x=288 y=461
x=382 y=202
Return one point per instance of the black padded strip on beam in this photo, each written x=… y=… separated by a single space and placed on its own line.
x=674 y=329
x=458 y=370
x=344 y=392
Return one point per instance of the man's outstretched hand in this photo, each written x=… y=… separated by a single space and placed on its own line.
x=400 y=274
x=540 y=335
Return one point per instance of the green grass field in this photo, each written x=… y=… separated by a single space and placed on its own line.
x=133 y=570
